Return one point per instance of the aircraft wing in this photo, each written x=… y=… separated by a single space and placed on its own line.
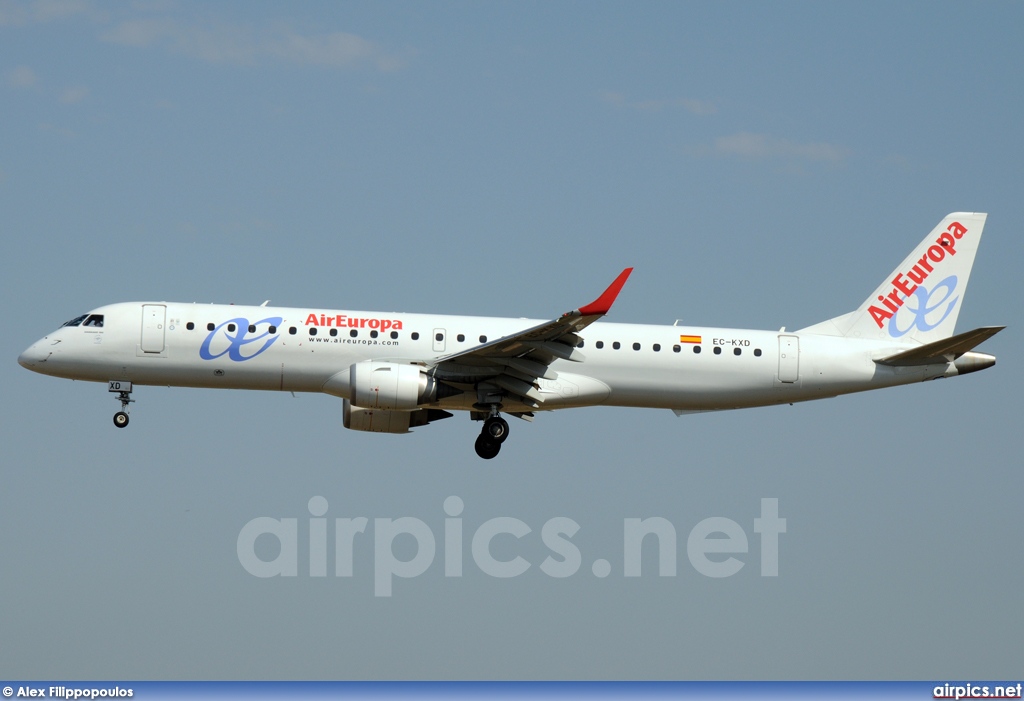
x=942 y=351
x=513 y=364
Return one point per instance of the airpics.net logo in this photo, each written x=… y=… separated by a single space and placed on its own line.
x=714 y=547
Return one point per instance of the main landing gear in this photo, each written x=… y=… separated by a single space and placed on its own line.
x=124 y=395
x=493 y=434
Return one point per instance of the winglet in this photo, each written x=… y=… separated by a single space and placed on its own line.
x=602 y=304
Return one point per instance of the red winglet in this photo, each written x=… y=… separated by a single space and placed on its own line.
x=602 y=304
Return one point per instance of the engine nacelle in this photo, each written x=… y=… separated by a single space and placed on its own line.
x=390 y=386
x=384 y=421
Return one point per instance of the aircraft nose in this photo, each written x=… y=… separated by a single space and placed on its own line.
x=32 y=356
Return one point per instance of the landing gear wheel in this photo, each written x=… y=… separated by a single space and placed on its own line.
x=485 y=448
x=123 y=388
x=495 y=430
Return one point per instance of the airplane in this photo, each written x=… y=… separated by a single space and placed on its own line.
x=395 y=371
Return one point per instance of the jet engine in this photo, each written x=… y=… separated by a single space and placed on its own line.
x=384 y=421
x=390 y=386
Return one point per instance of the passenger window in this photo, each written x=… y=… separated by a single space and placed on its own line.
x=483 y=339
x=438 y=336
x=676 y=348
x=353 y=333
x=737 y=351
x=757 y=352
x=394 y=334
x=718 y=350
x=252 y=328
x=190 y=326
x=696 y=349
x=616 y=345
x=461 y=337
x=636 y=346
x=599 y=344
x=415 y=335
x=580 y=344
x=231 y=327
x=312 y=331
x=373 y=334
x=210 y=326
x=292 y=330
x=273 y=329
x=333 y=332
x=657 y=347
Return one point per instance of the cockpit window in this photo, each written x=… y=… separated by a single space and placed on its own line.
x=95 y=321
x=77 y=321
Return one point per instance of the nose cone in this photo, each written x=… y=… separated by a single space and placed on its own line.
x=33 y=356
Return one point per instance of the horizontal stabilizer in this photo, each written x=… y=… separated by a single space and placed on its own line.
x=942 y=351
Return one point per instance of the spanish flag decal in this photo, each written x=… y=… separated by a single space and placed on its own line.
x=689 y=339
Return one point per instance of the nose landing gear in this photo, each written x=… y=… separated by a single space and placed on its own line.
x=493 y=434
x=124 y=394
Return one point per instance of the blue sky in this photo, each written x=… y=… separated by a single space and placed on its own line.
x=759 y=165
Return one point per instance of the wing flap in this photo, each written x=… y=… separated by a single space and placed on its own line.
x=532 y=368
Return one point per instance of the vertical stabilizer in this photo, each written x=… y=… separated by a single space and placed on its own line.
x=920 y=300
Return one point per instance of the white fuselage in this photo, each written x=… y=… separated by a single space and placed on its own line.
x=310 y=350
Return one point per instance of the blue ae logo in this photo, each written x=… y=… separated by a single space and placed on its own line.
x=233 y=336
x=924 y=305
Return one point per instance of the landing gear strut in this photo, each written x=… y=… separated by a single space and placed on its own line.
x=124 y=395
x=493 y=434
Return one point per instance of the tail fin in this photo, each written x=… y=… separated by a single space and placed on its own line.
x=920 y=300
